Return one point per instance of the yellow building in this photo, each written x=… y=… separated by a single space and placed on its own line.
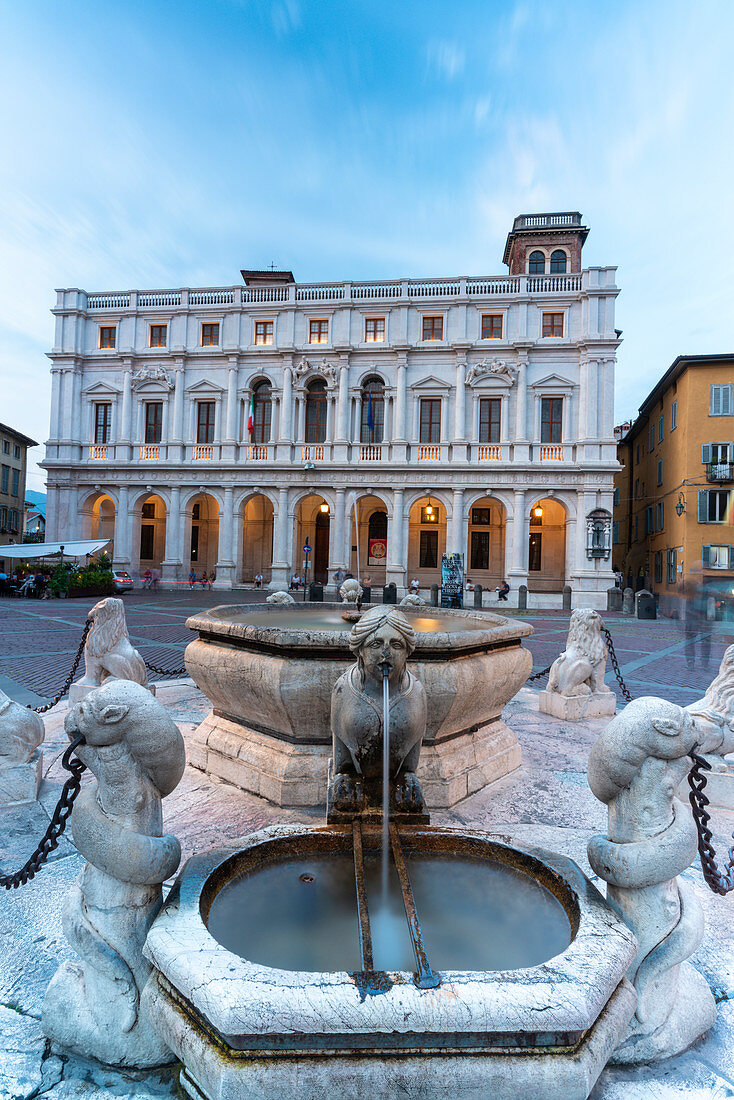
x=674 y=496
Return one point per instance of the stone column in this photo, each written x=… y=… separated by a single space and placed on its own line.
x=396 y=553
x=171 y=566
x=122 y=529
x=342 y=437
x=55 y=431
x=286 y=436
x=400 y=440
x=338 y=543
x=124 y=428
x=454 y=540
x=225 y=565
x=281 y=564
x=583 y=398
x=458 y=450
x=229 y=448
x=521 y=445
x=176 y=437
x=516 y=545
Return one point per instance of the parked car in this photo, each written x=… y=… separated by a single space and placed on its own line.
x=123 y=581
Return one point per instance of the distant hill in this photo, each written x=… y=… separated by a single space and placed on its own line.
x=38 y=500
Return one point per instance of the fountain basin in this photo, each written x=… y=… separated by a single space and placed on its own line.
x=247 y=1030
x=269 y=672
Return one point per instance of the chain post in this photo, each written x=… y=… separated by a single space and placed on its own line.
x=61 y=815
x=721 y=882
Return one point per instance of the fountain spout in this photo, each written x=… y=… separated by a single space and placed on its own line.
x=378 y=721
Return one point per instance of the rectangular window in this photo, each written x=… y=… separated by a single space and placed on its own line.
x=671 y=566
x=552 y=324
x=433 y=328
x=616 y=497
x=194 y=556
x=551 y=419
x=638 y=454
x=205 y=422
x=660 y=471
x=107 y=334
x=430 y=430
x=720 y=400
x=637 y=487
x=147 y=531
x=658 y=566
x=535 y=546
x=637 y=527
x=660 y=515
x=374 y=330
x=674 y=416
x=428 y=552
x=318 y=332
x=615 y=532
x=16 y=451
x=102 y=421
x=712 y=505
x=376 y=433
x=6 y=446
x=479 y=550
x=4 y=482
x=153 y=421
x=660 y=429
x=210 y=335
x=652 y=437
x=148 y=510
x=263 y=332
x=16 y=482
x=158 y=334
x=718 y=557
x=718 y=453
x=3 y=519
x=490 y=409
x=481 y=517
x=491 y=326
x=429 y=517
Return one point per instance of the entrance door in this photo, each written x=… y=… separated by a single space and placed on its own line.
x=321 y=549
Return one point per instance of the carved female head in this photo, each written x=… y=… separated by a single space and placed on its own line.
x=383 y=638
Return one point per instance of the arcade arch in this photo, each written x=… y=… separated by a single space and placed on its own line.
x=370 y=534
x=547 y=546
x=485 y=550
x=256 y=538
x=426 y=540
x=149 y=537
x=201 y=548
x=313 y=522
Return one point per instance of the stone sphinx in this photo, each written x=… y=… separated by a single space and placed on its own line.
x=21 y=761
x=576 y=688
x=96 y=1006
x=108 y=652
x=382 y=640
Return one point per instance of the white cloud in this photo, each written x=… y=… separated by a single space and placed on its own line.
x=445 y=59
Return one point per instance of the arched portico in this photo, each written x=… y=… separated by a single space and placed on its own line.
x=255 y=538
x=485 y=549
x=149 y=516
x=546 y=549
x=369 y=532
x=312 y=521
x=201 y=538
x=98 y=515
x=426 y=539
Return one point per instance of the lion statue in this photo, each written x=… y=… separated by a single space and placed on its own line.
x=351 y=591
x=108 y=653
x=580 y=669
x=412 y=600
x=280 y=598
x=21 y=732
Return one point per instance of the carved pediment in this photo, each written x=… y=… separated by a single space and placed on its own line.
x=553 y=381
x=430 y=382
x=491 y=369
x=158 y=375
x=204 y=388
x=102 y=389
x=323 y=367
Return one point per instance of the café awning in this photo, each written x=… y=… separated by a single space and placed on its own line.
x=30 y=550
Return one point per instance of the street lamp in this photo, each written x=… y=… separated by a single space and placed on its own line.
x=681 y=505
x=324 y=507
x=537 y=511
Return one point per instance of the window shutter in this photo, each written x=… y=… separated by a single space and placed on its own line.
x=714 y=401
x=706 y=453
x=703 y=505
x=726 y=392
x=706 y=555
x=731 y=557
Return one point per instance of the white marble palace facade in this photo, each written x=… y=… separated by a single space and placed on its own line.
x=390 y=421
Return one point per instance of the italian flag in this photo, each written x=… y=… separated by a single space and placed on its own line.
x=251 y=417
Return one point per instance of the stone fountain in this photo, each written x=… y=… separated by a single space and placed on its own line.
x=269 y=671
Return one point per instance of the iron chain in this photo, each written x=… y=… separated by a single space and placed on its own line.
x=721 y=882
x=166 y=671
x=615 y=665
x=69 y=679
x=539 y=675
x=61 y=815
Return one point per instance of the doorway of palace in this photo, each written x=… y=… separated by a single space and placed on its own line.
x=547 y=546
x=203 y=542
x=426 y=541
x=485 y=554
x=98 y=521
x=257 y=539
x=150 y=546
x=313 y=523
x=368 y=554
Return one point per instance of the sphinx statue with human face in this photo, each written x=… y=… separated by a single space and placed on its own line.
x=382 y=641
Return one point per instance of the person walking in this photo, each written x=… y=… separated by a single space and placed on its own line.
x=192 y=579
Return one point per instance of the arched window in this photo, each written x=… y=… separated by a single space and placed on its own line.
x=372 y=426
x=558 y=262
x=536 y=263
x=316 y=412
x=262 y=412
x=377 y=527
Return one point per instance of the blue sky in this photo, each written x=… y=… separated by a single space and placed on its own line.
x=169 y=144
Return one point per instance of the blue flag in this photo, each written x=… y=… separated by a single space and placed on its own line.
x=370 y=415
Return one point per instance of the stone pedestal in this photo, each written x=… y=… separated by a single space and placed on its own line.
x=296 y=775
x=576 y=708
x=80 y=691
x=21 y=782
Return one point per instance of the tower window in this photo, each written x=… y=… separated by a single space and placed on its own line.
x=536 y=263
x=558 y=262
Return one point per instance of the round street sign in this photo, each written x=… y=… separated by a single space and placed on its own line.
x=307 y=549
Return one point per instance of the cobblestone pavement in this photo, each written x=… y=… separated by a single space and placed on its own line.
x=38 y=640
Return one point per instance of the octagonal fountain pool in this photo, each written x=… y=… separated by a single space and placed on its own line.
x=269 y=672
